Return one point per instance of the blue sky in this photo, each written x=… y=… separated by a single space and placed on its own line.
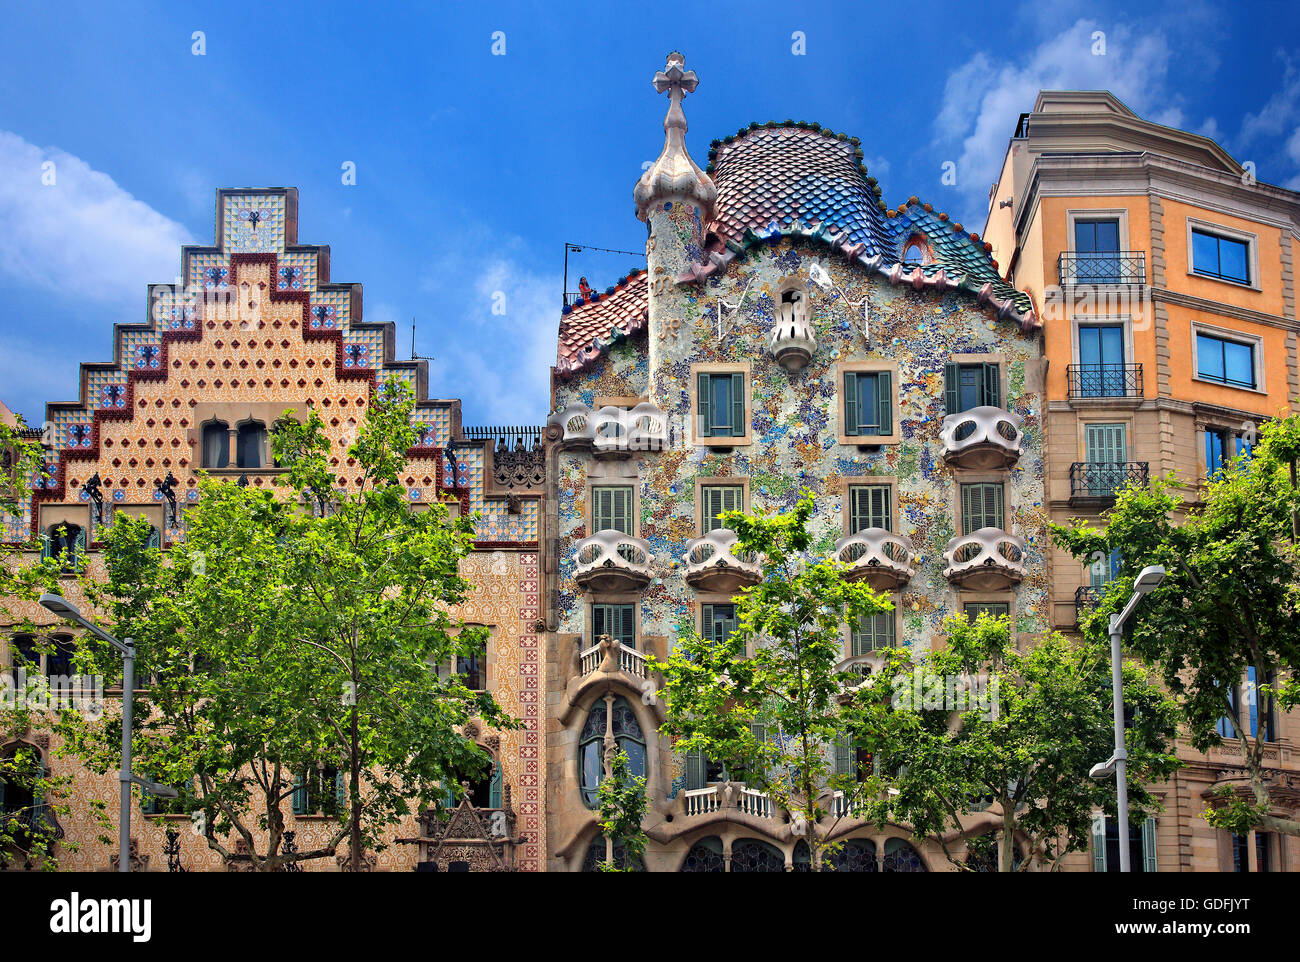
x=474 y=169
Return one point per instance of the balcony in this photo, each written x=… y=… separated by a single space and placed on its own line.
x=612 y=432
x=728 y=795
x=985 y=560
x=1104 y=381
x=608 y=655
x=612 y=561
x=1101 y=481
x=984 y=438
x=713 y=565
x=1086 y=597
x=1102 y=268
x=792 y=341
x=879 y=557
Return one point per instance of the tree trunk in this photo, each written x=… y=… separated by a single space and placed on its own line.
x=1007 y=844
x=355 y=793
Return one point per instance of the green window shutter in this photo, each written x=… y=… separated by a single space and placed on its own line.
x=47 y=546
x=1149 y=845
x=994 y=496
x=1105 y=443
x=972 y=507
x=695 y=770
x=992 y=386
x=626 y=622
x=885 y=402
x=494 y=788
x=706 y=624
x=1099 y=843
x=612 y=508
x=299 y=795
x=859 y=509
x=951 y=389
x=851 y=404
x=704 y=403
x=738 y=405
x=449 y=798
x=715 y=499
x=870 y=507
x=844 y=756
x=340 y=794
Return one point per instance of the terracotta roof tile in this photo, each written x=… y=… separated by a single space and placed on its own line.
x=590 y=327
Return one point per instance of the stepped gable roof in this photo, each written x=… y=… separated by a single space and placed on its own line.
x=590 y=327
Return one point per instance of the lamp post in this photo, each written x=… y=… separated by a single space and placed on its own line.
x=58 y=605
x=1146 y=582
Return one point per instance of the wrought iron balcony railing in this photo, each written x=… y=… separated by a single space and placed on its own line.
x=1103 y=267
x=1086 y=598
x=1102 y=480
x=1104 y=380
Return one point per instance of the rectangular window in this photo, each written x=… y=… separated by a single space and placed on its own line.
x=870 y=506
x=868 y=403
x=1101 y=361
x=617 y=621
x=967 y=386
x=1263 y=851
x=720 y=401
x=872 y=634
x=1225 y=362
x=1106 y=446
x=1221 y=447
x=717 y=498
x=981 y=507
x=1096 y=249
x=994 y=609
x=611 y=508
x=1240 y=860
x=1220 y=257
x=1104 y=570
x=472 y=666
x=717 y=622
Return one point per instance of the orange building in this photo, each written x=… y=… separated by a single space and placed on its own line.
x=1163 y=272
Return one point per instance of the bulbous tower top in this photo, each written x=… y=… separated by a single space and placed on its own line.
x=675 y=174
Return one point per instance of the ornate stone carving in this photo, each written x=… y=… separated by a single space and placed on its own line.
x=612 y=561
x=989 y=558
x=674 y=174
x=983 y=437
x=881 y=558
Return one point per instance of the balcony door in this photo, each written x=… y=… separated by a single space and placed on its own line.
x=1096 y=249
x=1107 y=451
x=1101 y=360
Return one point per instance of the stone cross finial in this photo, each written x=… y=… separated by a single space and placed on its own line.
x=674 y=174
x=678 y=83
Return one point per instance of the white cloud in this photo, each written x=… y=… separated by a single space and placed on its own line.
x=497 y=363
x=984 y=96
x=1279 y=113
x=82 y=236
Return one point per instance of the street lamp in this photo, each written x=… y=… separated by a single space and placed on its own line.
x=1146 y=582
x=58 y=605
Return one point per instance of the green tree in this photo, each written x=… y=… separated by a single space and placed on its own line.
x=768 y=702
x=1230 y=602
x=296 y=634
x=979 y=725
x=622 y=801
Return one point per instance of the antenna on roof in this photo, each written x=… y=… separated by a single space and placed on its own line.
x=414 y=356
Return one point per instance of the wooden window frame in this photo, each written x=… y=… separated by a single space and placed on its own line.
x=843 y=368
x=733 y=441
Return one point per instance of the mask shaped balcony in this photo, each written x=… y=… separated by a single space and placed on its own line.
x=982 y=438
x=792 y=341
x=882 y=559
x=612 y=432
x=713 y=565
x=985 y=560
x=612 y=561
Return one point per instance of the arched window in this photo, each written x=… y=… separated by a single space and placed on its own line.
x=901 y=857
x=251 y=445
x=596 y=855
x=591 y=745
x=25 y=656
x=484 y=788
x=705 y=856
x=856 y=855
x=216 y=444
x=22 y=769
x=64 y=541
x=58 y=662
x=751 y=855
x=917 y=251
x=320 y=790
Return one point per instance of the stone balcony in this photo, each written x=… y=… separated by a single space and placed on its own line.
x=713 y=565
x=612 y=561
x=982 y=438
x=881 y=558
x=612 y=432
x=985 y=560
x=608 y=656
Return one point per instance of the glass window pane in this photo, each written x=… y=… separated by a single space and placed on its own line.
x=1205 y=253
x=1239 y=363
x=1209 y=357
x=1232 y=260
x=720 y=398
